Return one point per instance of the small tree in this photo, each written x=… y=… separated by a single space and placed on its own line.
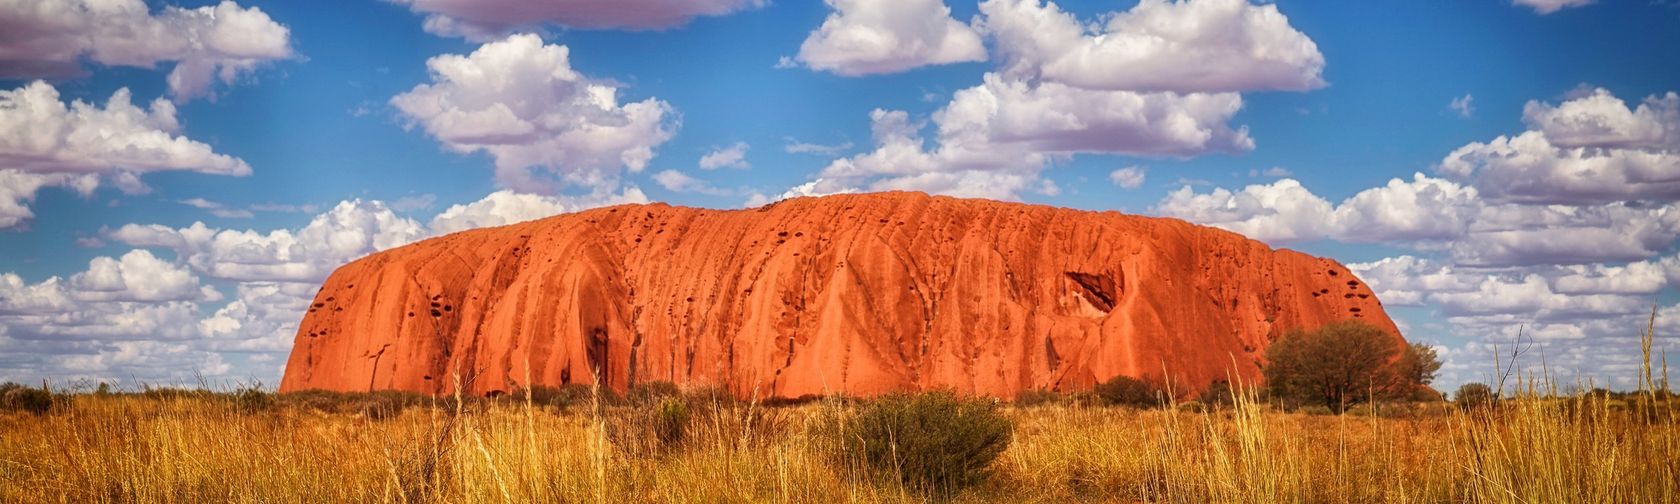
x=1342 y=364
x=1420 y=363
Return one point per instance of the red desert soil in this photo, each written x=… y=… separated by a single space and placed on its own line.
x=856 y=294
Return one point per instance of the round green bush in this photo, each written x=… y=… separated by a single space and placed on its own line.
x=670 y=421
x=1473 y=395
x=1129 y=391
x=933 y=441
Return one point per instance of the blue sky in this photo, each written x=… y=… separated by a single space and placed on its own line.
x=1569 y=232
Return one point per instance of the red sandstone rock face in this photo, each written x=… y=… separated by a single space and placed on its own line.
x=854 y=294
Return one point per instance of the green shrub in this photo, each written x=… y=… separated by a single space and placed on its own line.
x=324 y=401
x=933 y=441
x=381 y=406
x=735 y=425
x=250 y=399
x=14 y=397
x=1316 y=409
x=378 y=405
x=1385 y=409
x=565 y=396
x=1217 y=395
x=650 y=428
x=1082 y=398
x=1036 y=397
x=670 y=421
x=652 y=392
x=175 y=393
x=711 y=395
x=1131 y=392
x=1473 y=395
x=1426 y=394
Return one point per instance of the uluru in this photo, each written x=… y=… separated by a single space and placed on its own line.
x=856 y=294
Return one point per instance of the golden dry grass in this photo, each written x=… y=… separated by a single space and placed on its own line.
x=132 y=448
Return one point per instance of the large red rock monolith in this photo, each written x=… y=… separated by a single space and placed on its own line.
x=855 y=294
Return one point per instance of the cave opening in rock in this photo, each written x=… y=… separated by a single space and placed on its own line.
x=1099 y=290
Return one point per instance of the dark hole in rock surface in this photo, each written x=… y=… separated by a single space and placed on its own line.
x=1097 y=289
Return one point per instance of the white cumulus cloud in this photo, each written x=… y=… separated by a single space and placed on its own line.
x=1406 y=280
x=1159 y=80
x=521 y=101
x=51 y=38
x=136 y=276
x=508 y=207
x=1279 y=212
x=1600 y=119
x=1188 y=46
x=1436 y=214
x=347 y=231
x=993 y=140
x=1130 y=177
x=677 y=181
x=46 y=142
x=733 y=156
x=1634 y=278
x=1425 y=208
x=262 y=317
x=1590 y=149
x=886 y=36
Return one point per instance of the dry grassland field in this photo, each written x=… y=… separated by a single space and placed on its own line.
x=661 y=445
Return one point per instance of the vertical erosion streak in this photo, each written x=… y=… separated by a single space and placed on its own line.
x=372 y=375
x=630 y=366
x=598 y=357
